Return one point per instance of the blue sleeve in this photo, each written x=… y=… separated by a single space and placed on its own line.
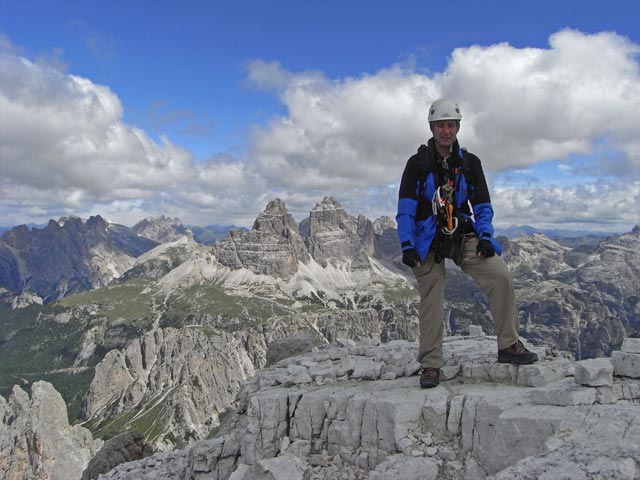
x=406 y=219
x=408 y=205
x=483 y=215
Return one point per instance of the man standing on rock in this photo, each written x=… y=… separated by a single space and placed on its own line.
x=444 y=211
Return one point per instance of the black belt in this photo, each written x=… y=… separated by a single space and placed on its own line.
x=466 y=225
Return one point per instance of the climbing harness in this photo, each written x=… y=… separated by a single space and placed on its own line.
x=450 y=238
x=442 y=204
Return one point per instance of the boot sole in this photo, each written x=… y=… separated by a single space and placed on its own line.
x=429 y=386
x=518 y=361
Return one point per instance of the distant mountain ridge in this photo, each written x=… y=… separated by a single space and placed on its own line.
x=161 y=229
x=73 y=255
x=212 y=233
x=134 y=350
x=67 y=256
x=517 y=230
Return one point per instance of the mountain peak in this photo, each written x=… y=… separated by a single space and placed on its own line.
x=97 y=223
x=161 y=229
x=275 y=219
x=328 y=203
x=276 y=207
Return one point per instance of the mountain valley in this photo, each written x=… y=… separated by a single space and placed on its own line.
x=163 y=343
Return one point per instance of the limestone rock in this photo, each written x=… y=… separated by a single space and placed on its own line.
x=563 y=393
x=397 y=467
x=631 y=345
x=296 y=344
x=125 y=447
x=596 y=372
x=285 y=467
x=334 y=235
x=468 y=427
x=162 y=229
x=180 y=380
x=273 y=246
x=160 y=260
x=586 y=308
x=36 y=440
x=626 y=364
x=25 y=299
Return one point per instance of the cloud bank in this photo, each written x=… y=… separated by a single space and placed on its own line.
x=64 y=147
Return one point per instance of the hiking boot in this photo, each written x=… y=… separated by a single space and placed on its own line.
x=430 y=377
x=517 y=354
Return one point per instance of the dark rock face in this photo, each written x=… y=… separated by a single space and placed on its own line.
x=126 y=447
x=303 y=227
x=387 y=244
x=10 y=274
x=67 y=256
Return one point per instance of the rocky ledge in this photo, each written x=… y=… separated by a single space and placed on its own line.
x=36 y=440
x=355 y=411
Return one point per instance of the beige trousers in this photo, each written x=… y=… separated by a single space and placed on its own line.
x=492 y=276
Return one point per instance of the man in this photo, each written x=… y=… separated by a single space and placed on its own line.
x=444 y=211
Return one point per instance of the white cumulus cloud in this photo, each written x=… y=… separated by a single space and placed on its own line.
x=521 y=106
x=65 y=149
x=61 y=133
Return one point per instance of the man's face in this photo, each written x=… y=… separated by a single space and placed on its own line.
x=445 y=131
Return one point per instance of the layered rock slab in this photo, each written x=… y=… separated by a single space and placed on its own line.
x=338 y=426
x=272 y=247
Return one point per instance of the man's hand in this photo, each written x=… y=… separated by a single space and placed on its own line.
x=411 y=258
x=485 y=249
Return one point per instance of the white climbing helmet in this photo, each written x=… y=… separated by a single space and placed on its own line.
x=444 y=109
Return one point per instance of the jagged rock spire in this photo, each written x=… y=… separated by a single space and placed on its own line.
x=273 y=247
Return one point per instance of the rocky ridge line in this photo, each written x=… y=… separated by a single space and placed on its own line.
x=355 y=412
x=174 y=381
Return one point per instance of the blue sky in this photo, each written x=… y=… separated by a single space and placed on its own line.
x=207 y=110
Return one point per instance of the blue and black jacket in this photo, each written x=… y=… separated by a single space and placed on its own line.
x=424 y=172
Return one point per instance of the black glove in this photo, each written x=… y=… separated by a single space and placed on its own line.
x=485 y=249
x=410 y=258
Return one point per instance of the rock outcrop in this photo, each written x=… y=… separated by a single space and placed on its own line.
x=334 y=235
x=276 y=244
x=24 y=300
x=586 y=307
x=387 y=244
x=125 y=447
x=170 y=384
x=36 y=440
x=160 y=260
x=272 y=247
x=162 y=229
x=626 y=362
x=333 y=266
x=356 y=412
